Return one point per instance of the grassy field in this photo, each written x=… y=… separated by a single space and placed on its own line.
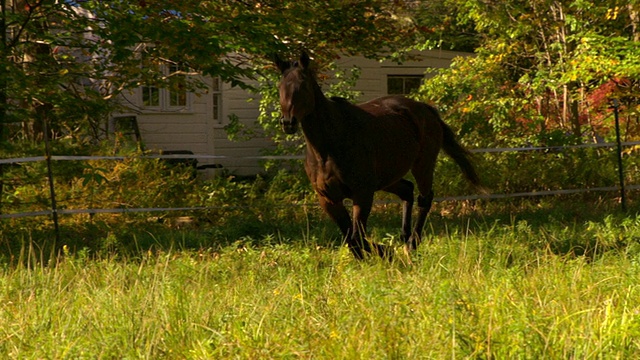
x=538 y=281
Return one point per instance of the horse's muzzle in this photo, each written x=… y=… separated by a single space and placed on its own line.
x=289 y=126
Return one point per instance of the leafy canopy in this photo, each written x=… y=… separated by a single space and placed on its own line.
x=544 y=71
x=77 y=56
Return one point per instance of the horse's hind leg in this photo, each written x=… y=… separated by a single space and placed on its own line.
x=424 y=205
x=423 y=173
x=404 y=190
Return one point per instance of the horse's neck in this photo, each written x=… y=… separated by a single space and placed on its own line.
x=323 y=128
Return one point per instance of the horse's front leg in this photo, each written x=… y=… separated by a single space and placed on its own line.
x=361 y=210
x=339 y=214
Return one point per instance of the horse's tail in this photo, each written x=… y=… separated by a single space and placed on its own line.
x=459 y=154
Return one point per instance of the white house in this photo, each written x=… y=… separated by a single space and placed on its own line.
x=195 y=122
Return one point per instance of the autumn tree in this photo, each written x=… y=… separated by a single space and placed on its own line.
x=537 y=67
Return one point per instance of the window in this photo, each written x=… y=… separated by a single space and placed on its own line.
x=174 y=97
x=403 y=84
x=216 y=92
x=178 y=88
x=150 y=96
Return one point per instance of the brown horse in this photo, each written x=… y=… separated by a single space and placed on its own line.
x=356 y=150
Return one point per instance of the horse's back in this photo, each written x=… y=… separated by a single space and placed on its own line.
x=387 y=136
x=397 y=104
x=399 y=112
x=403 y=131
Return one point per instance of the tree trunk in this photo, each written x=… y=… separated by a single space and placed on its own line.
x=635 y=22
x=3 y=88
x=3 y=78
x=575 y=112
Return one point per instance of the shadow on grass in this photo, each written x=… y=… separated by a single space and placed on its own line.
x=576 y=225
x=571 y=225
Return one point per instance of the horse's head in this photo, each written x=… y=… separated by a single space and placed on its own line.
x=296 y=92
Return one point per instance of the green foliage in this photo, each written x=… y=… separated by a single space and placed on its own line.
x=46 y=65
x=530 y=171
x=139 y=182
x=132 y=182
x=542 y=69
x=444 y=24
x=66 y=62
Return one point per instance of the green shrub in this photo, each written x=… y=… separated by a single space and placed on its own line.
x=515 y=172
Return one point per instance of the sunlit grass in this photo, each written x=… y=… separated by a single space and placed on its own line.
x=477 y=289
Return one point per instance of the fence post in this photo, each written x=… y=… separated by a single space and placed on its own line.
x=616 y=106
x=52 y=190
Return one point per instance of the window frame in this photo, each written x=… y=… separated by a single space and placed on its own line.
x=174 y=69
x=404 y=78
x=216 y=100
x=165 y=96
x=146 y=97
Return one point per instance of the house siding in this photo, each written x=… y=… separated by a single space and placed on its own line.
x=244 y=105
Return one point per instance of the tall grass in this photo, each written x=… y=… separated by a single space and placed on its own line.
x=523 y=287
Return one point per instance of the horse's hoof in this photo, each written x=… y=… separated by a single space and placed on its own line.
x=384 y=251
x=407 y=250
x=412 y=244
x=357 y=252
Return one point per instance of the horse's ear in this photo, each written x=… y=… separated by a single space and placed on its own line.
x=305 y=60
x=281 y=64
